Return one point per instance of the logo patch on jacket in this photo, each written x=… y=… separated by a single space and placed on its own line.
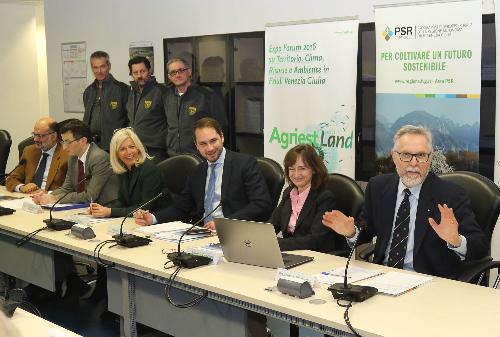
x=191 y=110
x=147 y=104
x=113 y=105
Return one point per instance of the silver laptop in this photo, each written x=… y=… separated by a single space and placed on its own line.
x=254 y=243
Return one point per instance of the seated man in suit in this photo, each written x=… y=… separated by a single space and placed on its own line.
x=234 y=179
x=89 y=177
x=422 y=223
x=44 y=163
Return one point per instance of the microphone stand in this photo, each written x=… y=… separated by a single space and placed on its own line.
x=61 y=224
x=187 y=260
x=351 y=292
x=131 y=240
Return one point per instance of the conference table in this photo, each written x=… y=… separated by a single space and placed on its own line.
x=29 y=325
x=136 y=290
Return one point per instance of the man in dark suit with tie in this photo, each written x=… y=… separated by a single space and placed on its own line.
x=45 y=162
x=232 y=178
x=422 y=222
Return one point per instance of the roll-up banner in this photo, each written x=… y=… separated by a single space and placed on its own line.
x=429 y=73
x=310 y=90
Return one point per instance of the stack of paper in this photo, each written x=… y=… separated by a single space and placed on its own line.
x=354 y=274
x=171 y=232
x=396 y=283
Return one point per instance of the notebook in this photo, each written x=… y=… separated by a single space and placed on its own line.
x=254 y=243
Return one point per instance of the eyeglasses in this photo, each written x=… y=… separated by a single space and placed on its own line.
x=178 y=71
x=41 y=135
x=125 y=128
x=420 y=157
x=67 y=142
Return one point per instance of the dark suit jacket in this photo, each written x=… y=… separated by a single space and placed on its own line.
x=309 y=230
x=244 y=193
x=430 y=254
x=140 y=185
x=24 y=173
x=100 y=187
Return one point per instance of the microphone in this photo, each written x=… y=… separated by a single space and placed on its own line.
x=351 y=292
x=188 y=260
x=131 y=240
x=5 y=175
x=61 y=224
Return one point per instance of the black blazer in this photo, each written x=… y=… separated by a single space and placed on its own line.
x=430 y=254
x=137 y=187
x=244 y=192
x=309 y=230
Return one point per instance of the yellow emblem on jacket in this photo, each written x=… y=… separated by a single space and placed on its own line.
x=113 y=104
x=147 y=104
x=191 y=110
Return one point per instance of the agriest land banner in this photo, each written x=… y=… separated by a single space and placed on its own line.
x=429 y=73
x=310 y=90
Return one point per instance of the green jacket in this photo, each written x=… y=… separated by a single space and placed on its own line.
x=140 y=185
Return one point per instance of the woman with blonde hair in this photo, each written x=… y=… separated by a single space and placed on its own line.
x=140 y=179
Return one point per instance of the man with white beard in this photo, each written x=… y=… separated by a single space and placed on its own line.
x=422 y=223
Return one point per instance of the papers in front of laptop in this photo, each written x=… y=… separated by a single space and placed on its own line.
x=354 y=274
x=170 y=231
x=395 y=283
x=16 y=203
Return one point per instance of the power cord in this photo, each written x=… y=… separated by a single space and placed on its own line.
x=346 y=316
x=186 y=305
x=27 y=238
x=97 y=251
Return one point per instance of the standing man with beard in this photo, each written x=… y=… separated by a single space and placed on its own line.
x=104 y=100
x=146 y=108
x=422 y=223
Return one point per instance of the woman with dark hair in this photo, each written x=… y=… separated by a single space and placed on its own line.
x=303 y=203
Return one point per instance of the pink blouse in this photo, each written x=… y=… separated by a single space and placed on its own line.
x=298 y=200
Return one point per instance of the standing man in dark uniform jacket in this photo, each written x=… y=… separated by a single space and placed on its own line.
x=105 y=101
x=146 y=108
x=186 y=103
x=231 y=178
x=422 y=223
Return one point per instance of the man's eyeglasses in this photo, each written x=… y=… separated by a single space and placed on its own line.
x=125 y=128
x=420 y=157
x=178 y=71
x=67 y=142
x=41 y=135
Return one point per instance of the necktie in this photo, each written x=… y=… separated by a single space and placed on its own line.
x=400 y=234
x=38 y=177
x=210 y=193
x=81 y=176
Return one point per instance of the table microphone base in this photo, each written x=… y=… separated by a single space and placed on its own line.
x=59 y=224
x=186 y=260
x=352 y=293
x=130 y=240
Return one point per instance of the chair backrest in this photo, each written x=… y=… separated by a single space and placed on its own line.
x=274 y=177
x=23 y=144
x=176 y=170
x=484 y=196
x=349 y=196
x=5 y=143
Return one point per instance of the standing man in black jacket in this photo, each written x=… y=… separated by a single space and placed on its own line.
x=146 y=108
x=188 y=102
x=105 y=101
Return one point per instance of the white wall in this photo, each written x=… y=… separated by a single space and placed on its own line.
x=111 y=25
x=23 y=88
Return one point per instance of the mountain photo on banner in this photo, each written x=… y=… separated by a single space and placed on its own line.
x=452 y=119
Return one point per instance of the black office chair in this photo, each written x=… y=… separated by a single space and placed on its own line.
x=175 y=172
x=5 y=143
x=23 y=144
x=349 y=198
x=274 y=177
x=485 y=203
